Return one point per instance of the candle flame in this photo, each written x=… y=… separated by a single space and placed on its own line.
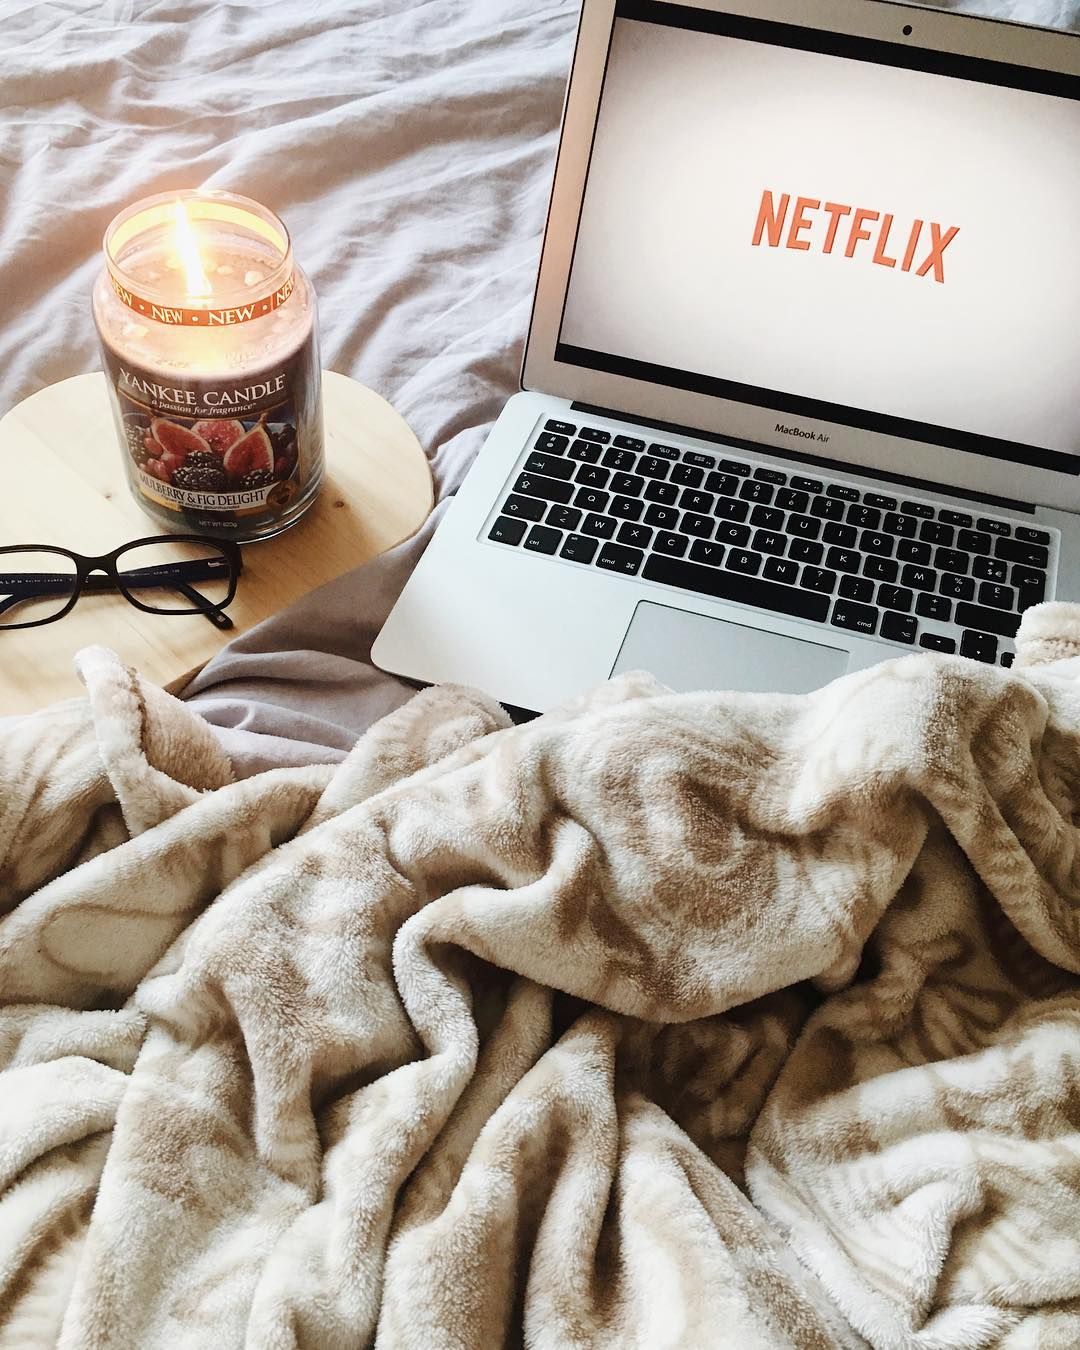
x=187 y=250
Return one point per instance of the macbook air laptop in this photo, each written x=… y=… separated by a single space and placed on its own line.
x=801 y=391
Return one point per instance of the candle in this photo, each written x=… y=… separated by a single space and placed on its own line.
x=209 y=339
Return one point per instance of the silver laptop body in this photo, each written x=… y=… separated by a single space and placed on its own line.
x=802 y=384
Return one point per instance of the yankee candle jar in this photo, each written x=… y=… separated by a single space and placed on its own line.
x=209 y=340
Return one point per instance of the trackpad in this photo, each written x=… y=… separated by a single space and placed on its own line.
x=690 y=651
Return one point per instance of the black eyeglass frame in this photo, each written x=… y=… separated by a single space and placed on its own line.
x=88 y=576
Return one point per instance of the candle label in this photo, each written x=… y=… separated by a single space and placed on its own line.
x=234 y=451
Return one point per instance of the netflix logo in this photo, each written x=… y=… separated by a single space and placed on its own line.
x=829 y=227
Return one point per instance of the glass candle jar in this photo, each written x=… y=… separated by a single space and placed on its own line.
x=209 y=340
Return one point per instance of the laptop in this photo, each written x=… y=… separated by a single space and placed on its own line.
x=801 y=391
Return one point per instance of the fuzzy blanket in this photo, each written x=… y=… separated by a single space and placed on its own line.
x=662 y=1021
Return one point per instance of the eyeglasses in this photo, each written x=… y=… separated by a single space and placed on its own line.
x=40 y=584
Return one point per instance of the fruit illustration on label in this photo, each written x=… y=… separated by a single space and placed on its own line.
x=251 y=454
x=219 y=436
x=176 y=439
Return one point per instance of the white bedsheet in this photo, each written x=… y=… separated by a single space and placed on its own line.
x=408 y=145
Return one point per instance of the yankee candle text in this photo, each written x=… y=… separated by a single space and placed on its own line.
x=808 y=212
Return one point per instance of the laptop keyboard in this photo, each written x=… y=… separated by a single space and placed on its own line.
x=901 y=569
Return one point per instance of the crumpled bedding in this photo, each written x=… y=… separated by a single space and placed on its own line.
x=661 y=1021
x=408 y=147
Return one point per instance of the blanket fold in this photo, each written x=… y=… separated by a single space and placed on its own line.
x=663 y=1020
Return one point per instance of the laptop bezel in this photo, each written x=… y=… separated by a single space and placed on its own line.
x=930 y=29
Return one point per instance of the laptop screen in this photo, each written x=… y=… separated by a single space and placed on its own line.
x=834 y=227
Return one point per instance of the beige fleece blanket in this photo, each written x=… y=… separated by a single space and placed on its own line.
x=662 y=1021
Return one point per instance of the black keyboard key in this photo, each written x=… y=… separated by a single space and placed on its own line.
x=768 y=517
x=895 y=597
x=528 y=508
x=843 y=492
x=998 y=527
x=1007 y=659
x=780 y=569
x=956 y=588
x=806 y=551
x=723 y=584
x=724 y=483
x=827 y=508
x=880 y=569
x=734 y=466
x=686 y=475
x=699 y=460
x=584 y=452
x=663 y=517
x=628 y=443
x=817 y=579
x=591 y=475
x=696 y=501
x=589 y=499
x=954 y=518
x=730 y=508
x=564 y=517
x=843 y=559
x=627 y=484
x=551 y=444
x=972 y=541
x=663 y=451
x=579 y=548
x=914 y=551
x=755 y=491
x=562 y=428
x=674 y=545
x=667 y=494
x=736 y=535
x=934 y=642
x=903 y=526
x=701 y=527
x=846 y=536
x=979 y=646
x=933 y=532
x=1016 y=551
x=1027 y=535
x=626 y=508
x=787 y=500
x=617 y=558
x=864 y=517
x=547 y=489
x=768 y=541
x=507 y=531
x=921 y=509
x=770 y=475
x=998 y=621
x=703 y=552
x=856 y=618
x=882 y=503
x=872 y=542
x=899 y=628
x=1030 y=587
x=651 y=467
x=600 y=526
x=740 y=560
x=951 y=560
x=591 y=434
x=543 y=540
x=639 y=536
x=804 y=527
x=813 y=485
x=622 y=460
x=919 y=578
x=934 y=607
x=857 y=588
x=990 y=569
x=997 y=597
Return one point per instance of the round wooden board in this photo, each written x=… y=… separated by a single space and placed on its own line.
x=63 y=483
